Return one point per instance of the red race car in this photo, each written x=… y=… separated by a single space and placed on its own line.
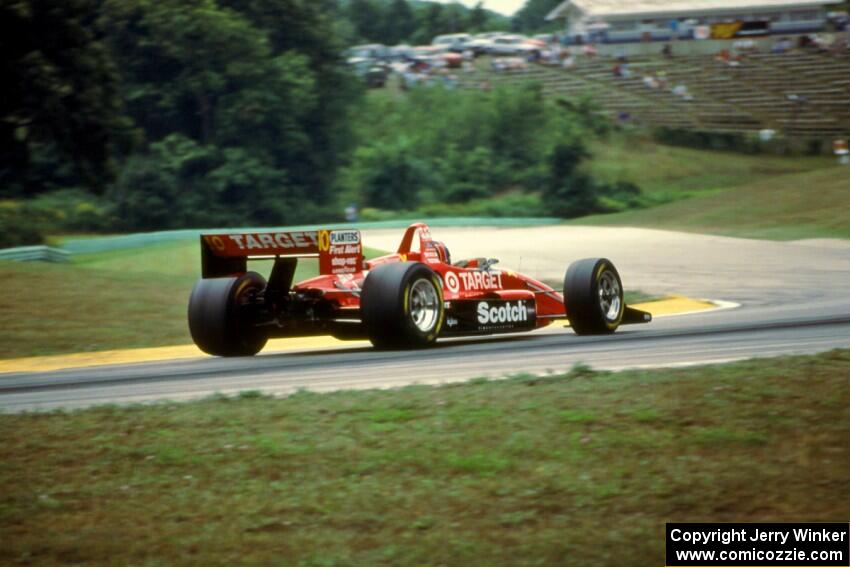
x=407 y=299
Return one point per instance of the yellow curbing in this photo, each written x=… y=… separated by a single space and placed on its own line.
x=675 y=305
x=155 y=354
x=672 y=305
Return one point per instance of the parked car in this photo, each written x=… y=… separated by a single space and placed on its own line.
x=376 y=77
x=430 y=50
x=368 y=51
x=453 y=60
x=454 y=41
x=479 y=45
x=512 y=45
x=372 y=71
x=838 y=20
x=400 y=52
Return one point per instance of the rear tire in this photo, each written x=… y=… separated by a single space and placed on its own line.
x=219 y=322
x=402 y=305
x=593 y=295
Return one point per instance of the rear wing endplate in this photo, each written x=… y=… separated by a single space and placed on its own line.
x=338 y=251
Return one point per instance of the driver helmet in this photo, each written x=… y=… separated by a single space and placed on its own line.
x=442 y=251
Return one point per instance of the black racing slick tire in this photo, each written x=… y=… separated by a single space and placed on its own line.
x=401 y=305
x=219 y=321
x=593 y=295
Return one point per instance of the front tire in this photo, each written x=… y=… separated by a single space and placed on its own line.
x=593 y=295
x=220 y=319
x=402 y=305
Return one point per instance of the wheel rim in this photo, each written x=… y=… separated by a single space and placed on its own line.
x=609 y=295
x=424 y=305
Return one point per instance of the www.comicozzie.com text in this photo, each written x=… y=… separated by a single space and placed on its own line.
x=755 y=534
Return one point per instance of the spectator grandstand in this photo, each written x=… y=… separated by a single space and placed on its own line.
x=802 y=94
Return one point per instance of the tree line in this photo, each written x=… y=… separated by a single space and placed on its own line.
x=532 y=17
x=175 y=112
x=124 y=115
x=393 y=22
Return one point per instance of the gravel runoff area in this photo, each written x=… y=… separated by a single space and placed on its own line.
x=659 y=261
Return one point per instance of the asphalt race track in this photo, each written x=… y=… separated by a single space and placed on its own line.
x=794 y=299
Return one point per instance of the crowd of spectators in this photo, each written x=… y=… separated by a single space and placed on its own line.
x=422 y=68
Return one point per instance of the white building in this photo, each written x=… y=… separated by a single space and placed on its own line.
x=617 y=21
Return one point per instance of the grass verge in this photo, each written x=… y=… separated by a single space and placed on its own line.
x=120 y=299
x=670 y=173
x=578 y=469
x=785 y=207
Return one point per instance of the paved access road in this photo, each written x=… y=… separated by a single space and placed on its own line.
x=794 y=298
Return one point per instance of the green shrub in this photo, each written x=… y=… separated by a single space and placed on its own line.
x=392 y=176
x=19 y=225
x=570 y=192
x=471 y=174
x=371 y=214
x=575 y=196
x=73 y=210
x=509 y=205
x=144 y=195
x=181 y=183
x=441 y=152
x=701 y=140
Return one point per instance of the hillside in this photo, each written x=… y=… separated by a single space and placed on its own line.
x=812 y=204
x=669 y=173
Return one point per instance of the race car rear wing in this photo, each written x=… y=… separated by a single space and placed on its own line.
x=338 y=251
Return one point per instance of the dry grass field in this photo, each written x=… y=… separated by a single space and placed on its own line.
x=578 y=469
